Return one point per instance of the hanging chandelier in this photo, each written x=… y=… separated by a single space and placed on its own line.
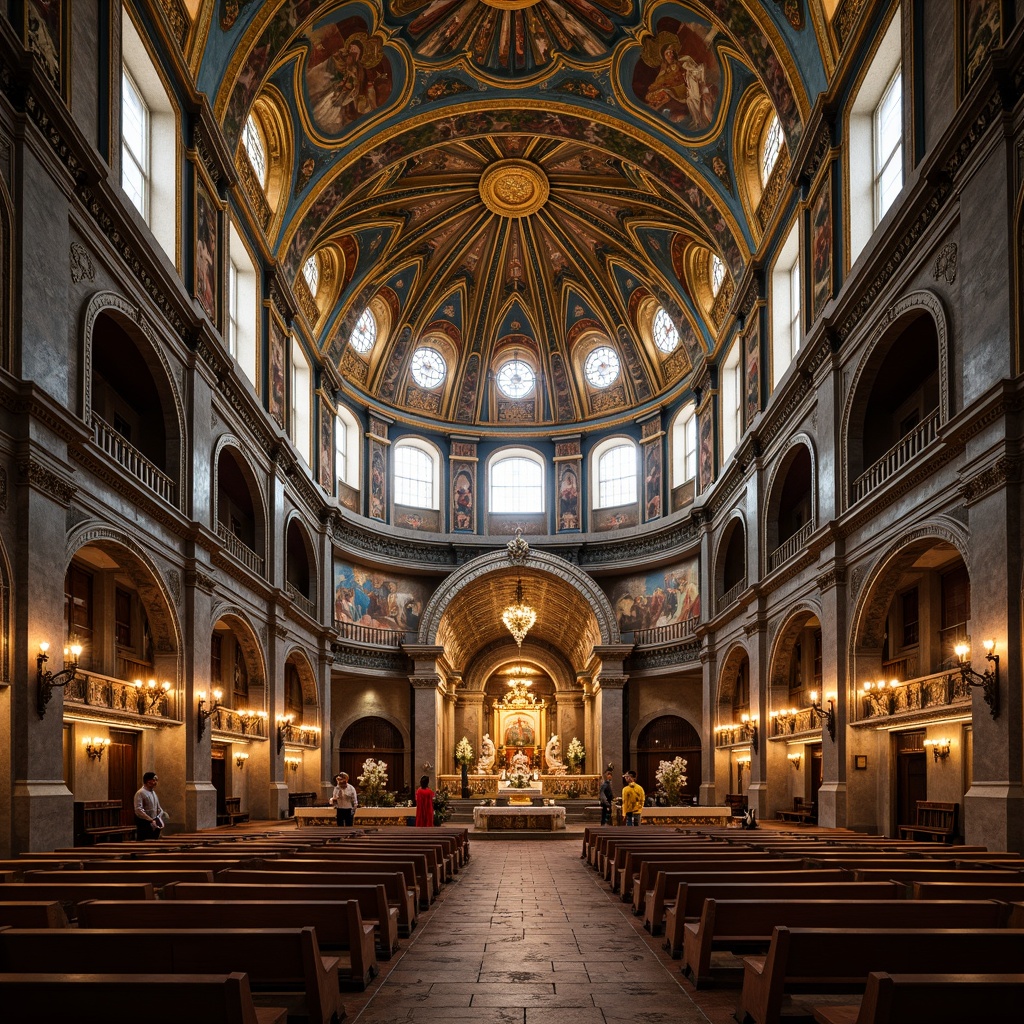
x=519 y=616
x=519 y=696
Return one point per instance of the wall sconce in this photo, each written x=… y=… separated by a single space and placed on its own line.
x=748 y=730
x=987 y=680
x=881 y=695
x=240 y=759
x=95 y=746
x=150 y=694
x=794 y=760
x=204 y=715
x=293 y=763
x=827 y=716
x=940 y=748
x=46 y=682
x=786 y=719
x=284 y=724
x=743 y=764
x=250 y=718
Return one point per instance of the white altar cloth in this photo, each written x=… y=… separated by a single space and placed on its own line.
x=527 y=819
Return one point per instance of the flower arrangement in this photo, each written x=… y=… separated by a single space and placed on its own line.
x=671 y=776
x=442 y=810
x=463 y=752
x=575 y=754
x=373 y=782
x=518 y=779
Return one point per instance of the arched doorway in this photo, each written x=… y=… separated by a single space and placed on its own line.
x=377 y=738
x=664 y=739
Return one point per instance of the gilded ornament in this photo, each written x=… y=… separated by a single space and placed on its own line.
x=514 y=188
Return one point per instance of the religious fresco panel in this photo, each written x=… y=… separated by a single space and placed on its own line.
x=659 y=598
x=278 y=360
x=568 y=477
x=382 y=600
x=463 y=492
x=378 y=479
x=205 y=251
x=821 y=246
x=706 y=447
x=752 y=357
x=652 y=480
x=411 y=518
x=44 y=36
x=326 y=446
x=981 y=24
x=602 y=519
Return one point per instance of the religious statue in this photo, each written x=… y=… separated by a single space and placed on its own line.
x=553 y=757
x=520 y=762
x=486 y=761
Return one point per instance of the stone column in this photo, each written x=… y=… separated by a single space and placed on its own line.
x=277 y=789
x=757 y=652
x=835 y=684
x=429 y=690
x=709 y=753
x=468 y=714
x=193 y=777
x=609 y=679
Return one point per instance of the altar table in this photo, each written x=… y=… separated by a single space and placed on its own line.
x=524 y=819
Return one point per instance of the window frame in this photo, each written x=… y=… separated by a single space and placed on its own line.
x=349 y=432
x=771 y=142
x=684 y=456
x=142 y=161
x=433 y=458
x=883 y=159
x=732 y=400
x=507 y=455
x=786 y=304
x=300 y=413
x=247 y=322
x=607 y=496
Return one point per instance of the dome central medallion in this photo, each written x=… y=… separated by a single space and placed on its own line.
x=511 y=5
x=514 y=188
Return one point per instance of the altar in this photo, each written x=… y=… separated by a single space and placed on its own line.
x=521 y=819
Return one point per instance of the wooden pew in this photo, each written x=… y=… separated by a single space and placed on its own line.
x=690 y=897
x=340 y=928
x=655 y=913
x=830 y=958
x=395 y=885
x=937 y=890
x=70 y=894
x=732 y=924
x=930 y=999
x=157 y=878
x=932 y=818
x=33 y=914
x=910 y=875
x=278 y=961
x=99 y=821
x=195 y=998
x=414 y=866
x=372 y=900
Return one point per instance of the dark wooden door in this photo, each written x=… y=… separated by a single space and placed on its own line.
x=814 y=750
x=123 y=778
x=911 y=775
x=218 y=776
x=665 y=739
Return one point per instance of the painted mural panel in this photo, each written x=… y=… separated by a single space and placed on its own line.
x=982 y=27
x=326 y=447
x=753 y=366
x=568 y=496
x=44 y=36
x=652 y=481
x=706 y=446
x=377 y=599
x=463 y=496
x=679 y=74
x=658 y=598
x=378 y=480
x=206 y=251
x=275 y=396
x=347 y=74
x=821 y=247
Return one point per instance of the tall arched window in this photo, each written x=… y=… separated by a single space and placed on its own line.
x=346 y=446
x=416 y=475
x=255 y=150
x=615 y=463
x=684 y=445
x=516 y=482
x=770 y=148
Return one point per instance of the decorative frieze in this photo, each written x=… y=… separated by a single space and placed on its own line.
x=45 y=480
x=945 y=263
x=80 y=262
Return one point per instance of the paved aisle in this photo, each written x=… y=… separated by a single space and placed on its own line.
x=526 y=935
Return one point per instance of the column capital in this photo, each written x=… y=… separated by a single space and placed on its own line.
x=427 y=682
x=610 y=682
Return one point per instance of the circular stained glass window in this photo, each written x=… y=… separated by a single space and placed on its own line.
x=666 y=337
x=364 y=334
x=516 y=378
x=601 y=367
x=428 y=367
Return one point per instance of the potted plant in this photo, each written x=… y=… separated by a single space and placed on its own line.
x=671 y=776
x=575 y=755
x=373 y=782
x=463 y=757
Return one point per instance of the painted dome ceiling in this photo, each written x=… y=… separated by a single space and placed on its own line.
x=513 y=186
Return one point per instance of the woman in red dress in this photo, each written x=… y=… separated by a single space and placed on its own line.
x=424 y=804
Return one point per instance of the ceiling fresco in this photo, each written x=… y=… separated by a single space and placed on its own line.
x=513 y=179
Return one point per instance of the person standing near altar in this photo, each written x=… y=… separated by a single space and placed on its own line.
x=633 y=798
x=424 y=804
x=607 y=799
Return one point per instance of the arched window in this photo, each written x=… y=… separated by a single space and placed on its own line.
x=684 y=445
x=516 y=482
x=243 y=304
x=615 y=462
x=301 y=402
x=717 y=273
x=346 y=448
x=416 y=475
x=664 y=331
x=311 y=272
x=364 y=334
x=255 y=149
x=770 y=147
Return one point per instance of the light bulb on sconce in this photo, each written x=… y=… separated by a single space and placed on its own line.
x=203 y=714
x=987 y=680
x=47 y=682
x=150 y=694
x=940 y=748
x=293 y=763
x=825 y=715
x=240 y=759
x=794 y=760
x=94 y=747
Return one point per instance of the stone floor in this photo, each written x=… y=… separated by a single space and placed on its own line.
x=528 y=934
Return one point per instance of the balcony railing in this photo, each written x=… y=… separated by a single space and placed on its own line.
x=241 y=722
x=374 y=635
x=132 y=461
x=668 y=633
x=938 y=690
x=240 y=550
x=789 y=547
x=300 y=600
x=790 y=723
x=90 y=689
x=897 y=456
x=730 y=596
x=301 y=735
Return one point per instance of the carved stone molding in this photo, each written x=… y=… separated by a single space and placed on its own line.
x=264 y=634
x=45 y=480
x=82 y=268
x=198 y=578
x=3 y=489
x=280 y=630
x=833 y=577
x=945 y=263
x=173 y=578
x=990 y=479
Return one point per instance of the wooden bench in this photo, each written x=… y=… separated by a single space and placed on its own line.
x=399 y=895
x=841 y=958
x=930 y=999
x=934 y=819
x=195 y=998
x=736 y=924
x=33 y=914
x=802 y=813
x=284 y=965
x=70 y=894
x=99 y=821
x=372 y=900
x=689 y=901
x=300 y=800
x=233 y=813
x=936 y=890
x=159 y=877
x=340 y=928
